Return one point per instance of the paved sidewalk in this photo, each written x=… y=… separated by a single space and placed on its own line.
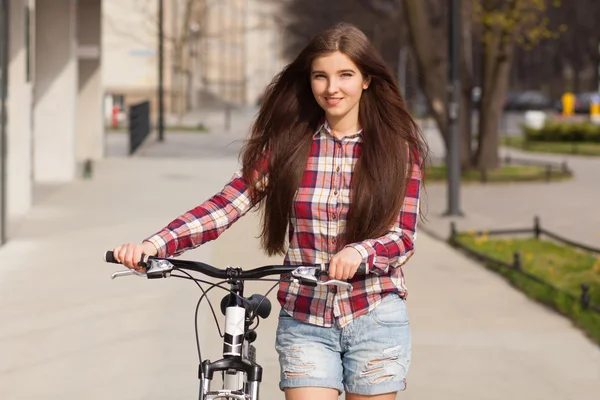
x=568 y=208
x=69 y=332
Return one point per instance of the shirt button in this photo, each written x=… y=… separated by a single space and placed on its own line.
x=333 y=216
x=337 y=169
x=333 y=240
x=335 y=192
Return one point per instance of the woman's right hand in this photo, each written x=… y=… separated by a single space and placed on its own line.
x=130 y=254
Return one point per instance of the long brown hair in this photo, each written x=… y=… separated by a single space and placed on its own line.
x=283 y=131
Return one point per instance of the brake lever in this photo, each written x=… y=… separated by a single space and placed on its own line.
x=128 y=272
x=158 y=269
x=310 y=276
x=338 y=283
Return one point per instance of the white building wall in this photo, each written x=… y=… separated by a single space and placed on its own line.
x=129 y=43
x=19 y=115
x=55 y=91
x=89 y=124
x=238 y=53
x=263 y=48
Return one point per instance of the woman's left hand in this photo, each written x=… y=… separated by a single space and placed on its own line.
x=344 y=264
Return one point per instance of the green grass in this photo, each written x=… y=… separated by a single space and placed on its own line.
x=564 y=267
x=506 y=173
x=579 y=148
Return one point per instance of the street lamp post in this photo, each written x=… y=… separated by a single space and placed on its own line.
x=454 y=88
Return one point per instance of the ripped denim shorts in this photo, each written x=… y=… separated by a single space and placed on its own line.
x=369 y=356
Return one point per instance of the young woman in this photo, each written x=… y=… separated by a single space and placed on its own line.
x=335 y=161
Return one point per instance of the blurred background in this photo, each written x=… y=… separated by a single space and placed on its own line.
x=118 y=115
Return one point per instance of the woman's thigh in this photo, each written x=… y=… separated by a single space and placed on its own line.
x=377 y=349
x=309 y=358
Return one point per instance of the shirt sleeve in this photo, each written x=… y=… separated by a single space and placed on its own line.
x=205 y=222
x=397 y=246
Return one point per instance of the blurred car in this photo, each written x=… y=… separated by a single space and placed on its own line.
x=527 y=100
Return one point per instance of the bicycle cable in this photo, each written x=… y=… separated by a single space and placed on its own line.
x=205 y=294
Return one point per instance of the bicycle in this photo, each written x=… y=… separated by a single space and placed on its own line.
x=241 y=374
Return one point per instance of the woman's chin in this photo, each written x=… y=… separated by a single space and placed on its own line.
x=335 y=111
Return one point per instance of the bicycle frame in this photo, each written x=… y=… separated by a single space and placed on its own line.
x=242 y=375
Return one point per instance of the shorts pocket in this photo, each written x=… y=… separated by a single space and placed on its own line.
x=391 y=311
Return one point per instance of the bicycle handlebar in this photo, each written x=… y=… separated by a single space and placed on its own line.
x=161 y=267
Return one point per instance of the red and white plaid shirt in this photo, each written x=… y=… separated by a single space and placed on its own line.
x=317 y=221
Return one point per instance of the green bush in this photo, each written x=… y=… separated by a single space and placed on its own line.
x=558 y=131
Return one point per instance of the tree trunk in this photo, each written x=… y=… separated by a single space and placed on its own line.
x=496 y=71
x=432 y=66
x=177 y=78
x=181 y=61
x=467 y=84
x=466 y=132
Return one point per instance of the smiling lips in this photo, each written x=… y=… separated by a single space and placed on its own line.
x=333 y=101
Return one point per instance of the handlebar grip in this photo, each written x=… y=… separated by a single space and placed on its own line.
x=362 y=269
x=109 y=257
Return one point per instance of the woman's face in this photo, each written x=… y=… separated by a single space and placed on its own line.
x=337 y=84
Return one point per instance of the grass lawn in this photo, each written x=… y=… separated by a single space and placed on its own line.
x=564 y=267
x=507 y=173
x=579 y=148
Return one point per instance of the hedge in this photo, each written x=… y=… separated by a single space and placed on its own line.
x=564 y=132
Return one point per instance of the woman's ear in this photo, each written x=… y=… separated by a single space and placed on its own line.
x=366 y=82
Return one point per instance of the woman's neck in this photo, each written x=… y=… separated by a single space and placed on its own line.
x=345 y=125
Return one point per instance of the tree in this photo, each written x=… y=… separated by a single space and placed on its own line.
x=303 y=19
x=501 y=25
x=186 y=27
x=578 y=45
x=504 y=24
x=427 y=24
x=180 y=33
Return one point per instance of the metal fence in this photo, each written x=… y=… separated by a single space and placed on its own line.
x=516 y=265
x=139 y=125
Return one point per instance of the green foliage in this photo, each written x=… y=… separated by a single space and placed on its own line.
x=579 y=148
x=524 y=22
x=558 y=131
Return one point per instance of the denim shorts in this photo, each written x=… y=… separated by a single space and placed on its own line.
x=369 y=356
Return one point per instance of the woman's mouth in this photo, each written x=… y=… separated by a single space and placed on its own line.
x=333 y=101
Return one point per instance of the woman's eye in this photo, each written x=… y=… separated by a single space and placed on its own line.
x=346 y=75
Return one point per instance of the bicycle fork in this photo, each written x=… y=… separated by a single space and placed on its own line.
x=235 y=364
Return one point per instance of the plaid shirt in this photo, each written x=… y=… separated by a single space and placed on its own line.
x=317 y=221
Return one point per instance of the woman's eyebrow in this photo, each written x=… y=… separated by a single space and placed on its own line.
x=339 y=72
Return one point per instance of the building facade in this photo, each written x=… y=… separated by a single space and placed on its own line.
x=64 y=62
x=53 y=96
x=216 y=52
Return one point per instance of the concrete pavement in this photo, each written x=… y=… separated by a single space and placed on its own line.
x=568 y=208
x=69 y=332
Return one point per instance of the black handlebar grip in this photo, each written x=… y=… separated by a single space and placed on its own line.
x=362 y=269
x=109 y=257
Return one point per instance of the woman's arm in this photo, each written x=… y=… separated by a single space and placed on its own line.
x=205 y=222
x=397 y=246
